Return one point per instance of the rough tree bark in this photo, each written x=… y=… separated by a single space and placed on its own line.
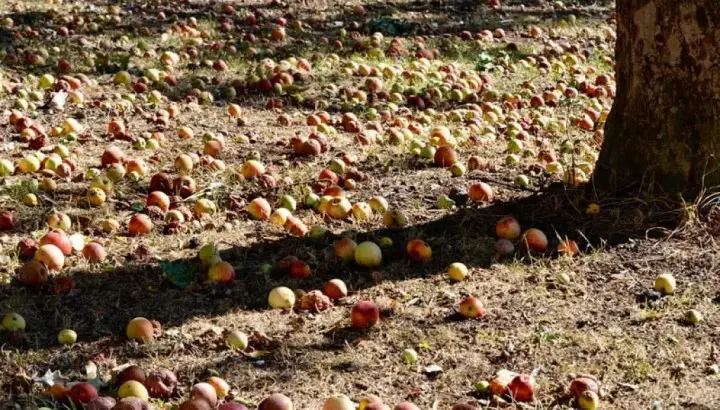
x=664 y=127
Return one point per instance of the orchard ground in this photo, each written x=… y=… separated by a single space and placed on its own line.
x=557 y=316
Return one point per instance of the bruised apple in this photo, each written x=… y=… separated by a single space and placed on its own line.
x=161 y=384
x=33 y=274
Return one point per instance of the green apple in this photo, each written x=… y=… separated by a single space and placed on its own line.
x=665 y=284
x=67 y=337
x=237 y=340
x=410 y=356
x=13 y=321
x=693 y=316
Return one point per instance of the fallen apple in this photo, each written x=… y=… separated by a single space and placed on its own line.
x=221 y=272
x=140 y=330
x=281 y=298
x=693 y=317
x=133 y=388
x=394 y=219
x=276 y=401
x=471 y=307
x=364 y=314
x=534 y=240
x=480 y=192
x=457 y=271
x=410 y=356
x=161 y=384
x=67 y=337
x=419 y=251
x=236 y=340
x=339 y=402
x=13 y=322
x=336 y=289
x=508 y=228
x=368 y=254
x=222 y=388
x=51 y=256
x=94 y=252
x=140 y=224
x=101 y=403
x=259 y=208
x=131 y=372
x=204 y=391
x=588 y=400
x=58 y=238
x=345 y=249
x=378 y=204
x=82 y=393
x=522 y=388
x=665 y=284
x=32 y=274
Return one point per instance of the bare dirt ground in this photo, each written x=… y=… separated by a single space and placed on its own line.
x=557 y=316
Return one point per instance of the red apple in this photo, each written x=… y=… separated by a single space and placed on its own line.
x=345 y=249
x=140 y=224
x=222 y=272
x=364 y=314
x=582 y=384
x=58 y=238
x=7 y=221
x=508 y=228
x=130 y=373
x=568 y=247
x=471 y=307
x=480 y=192
x=445 y=156
x=259 y=208
x=204 y=391
x=336 y=289
x=33 y=274
x=82 y=393
x=276 y=401
x=419 y=250
x=300 y=270
x=94 y=252
x=534 y=240
x=522 y=388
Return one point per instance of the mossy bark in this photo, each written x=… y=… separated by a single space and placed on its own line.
x=664 y=128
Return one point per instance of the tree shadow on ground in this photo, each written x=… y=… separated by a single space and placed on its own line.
x=104 y=302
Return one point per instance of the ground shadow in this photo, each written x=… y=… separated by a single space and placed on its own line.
x=104 y=302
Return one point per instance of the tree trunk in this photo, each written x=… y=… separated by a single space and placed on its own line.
x=664 y=128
